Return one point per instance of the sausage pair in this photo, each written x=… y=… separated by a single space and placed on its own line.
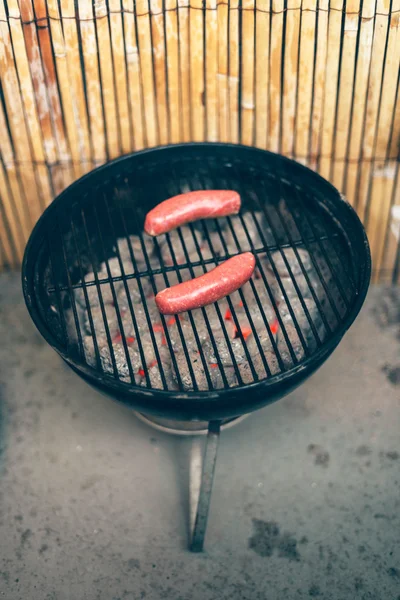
x=221 y=281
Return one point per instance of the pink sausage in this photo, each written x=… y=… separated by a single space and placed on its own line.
x=185 y=208
x=208 y=288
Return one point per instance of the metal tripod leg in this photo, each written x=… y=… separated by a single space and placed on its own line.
x=207 y=478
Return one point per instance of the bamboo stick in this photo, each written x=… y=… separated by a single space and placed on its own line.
x=19 y=131
x=382 y=185
x=383 y=171
x=171 y=28
x=223 y=79
x=54 y=100
x=43 y=188
x=7 y=254
x=319 y=82
x=373 y=97
x=62 y=172
x=134 y=77
x=107 y=78
x=391 y=242
x=67 y=98
x=263 y=8
x=305 y=82
x=39 y=84
x=392 y=233
x=10 y=185
x=120 y=75
x=290 y=75
x=247 y=76
x=275 y=75
x=345 y=91
x=146 y=66
x=160 y=68
x=92 y=77
x=10 y=204
x=395 y=131
x=184 y=67
x=234 y=70
x=197 y=91
x=22 y=65
x=211 y=83
x=71 y=41
x=359 y=98
x=332 y=70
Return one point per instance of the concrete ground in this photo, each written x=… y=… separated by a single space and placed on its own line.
x=93 y=503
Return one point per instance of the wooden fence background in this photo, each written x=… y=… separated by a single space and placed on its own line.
x=83 y=82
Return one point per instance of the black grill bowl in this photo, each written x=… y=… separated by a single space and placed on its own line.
x=79 y=230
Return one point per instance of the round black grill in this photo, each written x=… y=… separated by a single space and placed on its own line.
x=312 y=275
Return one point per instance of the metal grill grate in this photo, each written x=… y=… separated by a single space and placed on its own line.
x=305 y=278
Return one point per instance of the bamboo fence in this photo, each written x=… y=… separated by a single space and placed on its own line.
x=85 y=81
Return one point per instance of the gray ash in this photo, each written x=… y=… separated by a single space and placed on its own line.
x=187 y=372
x=226 y=354
x=246 y=326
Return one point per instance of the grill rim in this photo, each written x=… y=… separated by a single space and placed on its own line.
x=134 y=392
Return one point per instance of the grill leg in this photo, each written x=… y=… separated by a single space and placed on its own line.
x=207 y=478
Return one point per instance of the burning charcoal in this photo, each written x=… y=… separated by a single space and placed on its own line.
x=140 y=317
x=134 y=293
x=213 y=320
x=272 y=362
x=137 y=243
x=292 y=261
x=185 y=374
x=264 y=341
x=149 y=350
x=258 y=364
x=137 y=249
x=302 y=319
x=120 y=361
x=155 y=379
x=224 y=354
x=297 y=274
x=215 y=244
x=93 y=296
x=113 y=265
x=188 y=336
x=98 y=321
x=155 y=374
x=217 y=378
x=243 y=225
x=89 y=350
x=247 y=374
x=172 y=240
x=295 y=344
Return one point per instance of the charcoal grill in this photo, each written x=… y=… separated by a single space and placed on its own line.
x=301 y=213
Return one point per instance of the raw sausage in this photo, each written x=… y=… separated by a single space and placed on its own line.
x=185 y=208
x=208 y=288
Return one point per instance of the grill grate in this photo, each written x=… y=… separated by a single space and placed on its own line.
x=304 y=272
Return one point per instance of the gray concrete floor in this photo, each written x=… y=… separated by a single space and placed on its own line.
x=93 y=503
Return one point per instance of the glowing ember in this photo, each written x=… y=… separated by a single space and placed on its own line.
x=274 y=327
x=228 y=315
x=246 y=331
